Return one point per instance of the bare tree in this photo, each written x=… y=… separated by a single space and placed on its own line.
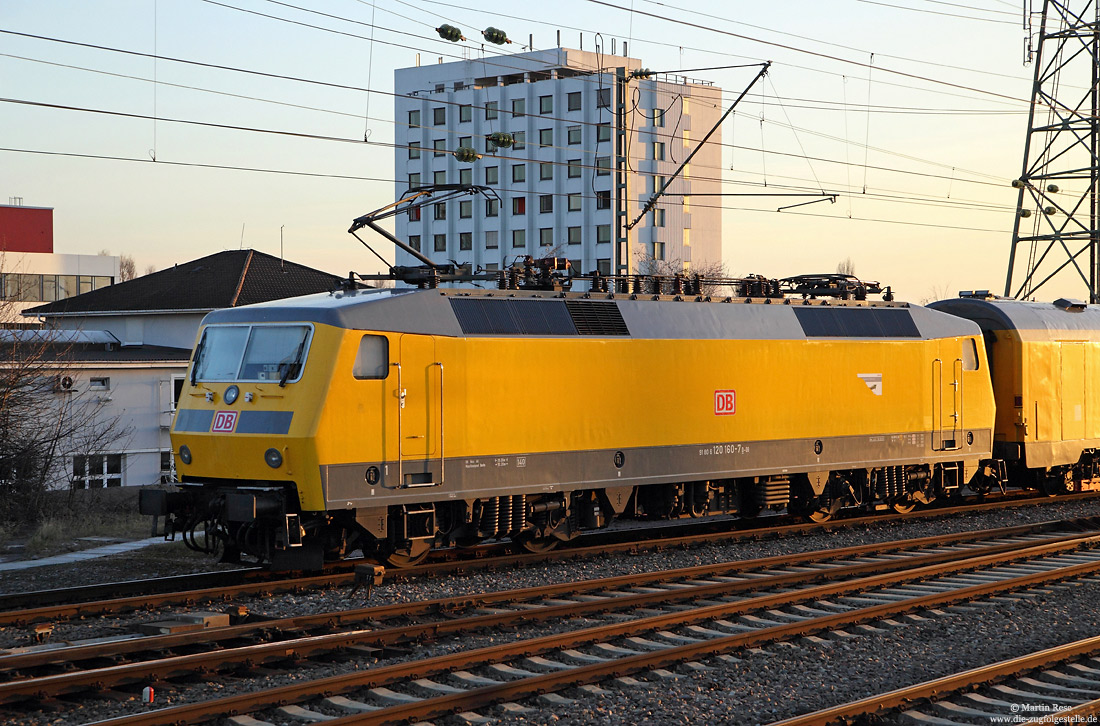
x=712 y=273
x=846 y=267
x=127 y=268
x=47 y=419
x=150 y=269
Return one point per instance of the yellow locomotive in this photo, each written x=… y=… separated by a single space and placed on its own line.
x=394 y=421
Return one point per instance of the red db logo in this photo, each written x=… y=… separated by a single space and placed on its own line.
x=725 y=403
x=224 y=421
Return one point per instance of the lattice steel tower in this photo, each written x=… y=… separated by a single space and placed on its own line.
x=1055 y=232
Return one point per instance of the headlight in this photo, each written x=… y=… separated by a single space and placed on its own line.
x=273 y=458
x=231 y=394
x=185 y=454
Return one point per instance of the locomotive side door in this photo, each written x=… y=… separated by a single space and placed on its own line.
x=420 y=410
x=1073 y=390
x=946 y=404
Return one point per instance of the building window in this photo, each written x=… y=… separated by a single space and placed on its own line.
x=659 y=150
x=519 y=238
x=492 y=238
x=467 y=141
x=603 y=132
x=465 y=114
x=574 y=235
x=441 y=243
x=465 y=240
x=440 y=147
x=439 y=115
x=519 y=173
x=519 y=205
x=603 y=165
x=465 y=209
x=519 y=140
x=573 y=134
x=439 y=177
x=519 y=106
x=546 y=137
x=603 y=199
x=492 y=207
x=658 y=184
x=574 y=168
x=491 y=110
x=414 y=149
x=574 y=202
x=603 y=233
x=659 y=117
x=96 y=471
x=574 y=100
x=492 y=175
x=414 y=180
x=546 y=236
x=491 y=266
x=466 y=176
x=603 y=266
x=414 y=214
x=546 y=104
x=658 y=250
x=658 y=218
x=603 y=97
x=99 y=383
x=414 y=118
x=414 y=241
x=440 y=209
x=546 y=203
x=546 y=171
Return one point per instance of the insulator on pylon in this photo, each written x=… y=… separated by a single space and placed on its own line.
x=1053 y=188
x=1018 y=183
x=1025 y=213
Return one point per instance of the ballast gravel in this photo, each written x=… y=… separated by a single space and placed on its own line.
x=762 y=686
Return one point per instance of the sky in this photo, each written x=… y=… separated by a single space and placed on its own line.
x=912 y=112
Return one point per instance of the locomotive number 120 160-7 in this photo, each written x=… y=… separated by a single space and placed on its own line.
x=716 y=449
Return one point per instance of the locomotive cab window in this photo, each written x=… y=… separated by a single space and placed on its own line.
x=372 y=362
x=252 y=353
x=970 y=355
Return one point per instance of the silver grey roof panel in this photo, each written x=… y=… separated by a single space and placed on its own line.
x=1031 y=320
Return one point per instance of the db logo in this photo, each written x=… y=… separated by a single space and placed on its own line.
x=224 y=421
x=725 y=403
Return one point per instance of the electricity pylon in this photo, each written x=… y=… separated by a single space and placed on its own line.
x=1057 y=211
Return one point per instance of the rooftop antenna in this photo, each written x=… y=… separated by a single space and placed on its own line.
x=1060 y=151
x=242 y=236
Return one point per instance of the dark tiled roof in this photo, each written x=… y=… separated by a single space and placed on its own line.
x=68 y=354
x=222 y=280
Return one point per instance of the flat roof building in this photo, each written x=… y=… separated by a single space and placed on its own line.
x=590 y=146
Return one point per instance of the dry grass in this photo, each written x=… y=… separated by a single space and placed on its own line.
x=100 y=513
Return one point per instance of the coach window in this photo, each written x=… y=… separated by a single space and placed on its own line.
x=372 y=362
x=970 y=355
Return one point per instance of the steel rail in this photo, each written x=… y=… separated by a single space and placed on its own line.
x=223 y=592
x=75 y=654
x=144 y=672
x=529 y=687
x=956 y=682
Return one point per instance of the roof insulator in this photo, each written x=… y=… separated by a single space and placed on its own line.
x=496 y=36
x=450 y=32
x=641 y=73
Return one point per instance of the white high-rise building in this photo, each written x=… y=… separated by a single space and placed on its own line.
x=591 y=145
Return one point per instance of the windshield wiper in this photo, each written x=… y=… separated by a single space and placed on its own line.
x=197 y=358
x=296 y=362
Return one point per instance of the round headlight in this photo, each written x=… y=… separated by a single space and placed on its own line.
x=185 y=454
x=231 y=394
x=273 y=458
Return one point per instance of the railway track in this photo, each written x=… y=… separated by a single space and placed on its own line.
x=1055 y=685
x=647 y=622
x=22 y=609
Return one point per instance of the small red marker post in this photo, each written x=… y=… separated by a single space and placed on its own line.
x=147 y=694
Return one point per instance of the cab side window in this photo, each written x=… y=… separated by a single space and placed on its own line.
x=970 y=355
x=372 y=362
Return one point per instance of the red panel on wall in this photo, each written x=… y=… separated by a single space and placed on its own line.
x=26 y=229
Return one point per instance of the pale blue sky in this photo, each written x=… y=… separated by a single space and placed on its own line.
x=936 y=216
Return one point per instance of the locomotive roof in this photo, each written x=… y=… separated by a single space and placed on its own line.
x=518 y=312
x=1034 y=321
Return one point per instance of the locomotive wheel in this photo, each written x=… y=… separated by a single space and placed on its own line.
x=904 y=507
x=408 y=556
x=537 y=545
